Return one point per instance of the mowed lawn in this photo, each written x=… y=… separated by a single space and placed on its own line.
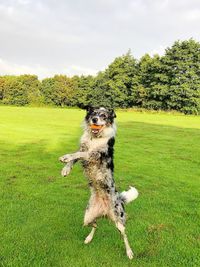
x=41 y=213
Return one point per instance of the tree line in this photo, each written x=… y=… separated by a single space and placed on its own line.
x=168 y=82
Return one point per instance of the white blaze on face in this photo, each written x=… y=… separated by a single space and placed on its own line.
x=103 y=109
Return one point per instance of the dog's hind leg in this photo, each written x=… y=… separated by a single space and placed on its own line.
x=89 y=238
x=121 y=228
x=90 y=219
x=93 y=211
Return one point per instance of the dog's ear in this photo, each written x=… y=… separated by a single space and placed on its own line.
x=112 y=113
x=88 y=108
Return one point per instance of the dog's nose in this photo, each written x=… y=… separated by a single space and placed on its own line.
x=94 y=120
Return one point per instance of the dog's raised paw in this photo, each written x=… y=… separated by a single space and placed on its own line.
x=61 y=159
x=65 y=158
x=65 y=171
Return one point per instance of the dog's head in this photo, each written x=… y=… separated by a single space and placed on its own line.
x=98 y=119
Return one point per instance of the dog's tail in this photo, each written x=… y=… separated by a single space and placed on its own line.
x=130 y=195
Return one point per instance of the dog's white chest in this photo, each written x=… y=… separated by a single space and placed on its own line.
x=97 y=143
x=94 y=144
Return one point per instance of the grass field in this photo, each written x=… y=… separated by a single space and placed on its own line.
x=41 y=213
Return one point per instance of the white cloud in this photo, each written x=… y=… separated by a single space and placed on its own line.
x=74 y=37
x=8 y=68
x=78 y=70
x=24 y=2
x=193 y=15
x=6 y=10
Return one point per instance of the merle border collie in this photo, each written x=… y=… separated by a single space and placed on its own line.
x=96 y=154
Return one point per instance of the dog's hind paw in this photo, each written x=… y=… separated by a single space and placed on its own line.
x=129 y=253
x=88 y=239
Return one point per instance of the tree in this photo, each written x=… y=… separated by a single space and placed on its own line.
x=153 y=83
x=114 y=86
x=2 y=87
x=169 y=82
x=64 y=91
x=59 y=90
x=15 y=91
x=182 y=65
x=32 y=88
x=84 y=86
x=20 y=90
x=46 y=89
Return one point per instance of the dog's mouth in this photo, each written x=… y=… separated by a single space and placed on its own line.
x=96 y=128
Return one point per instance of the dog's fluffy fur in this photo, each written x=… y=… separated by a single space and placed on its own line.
x=96 y=153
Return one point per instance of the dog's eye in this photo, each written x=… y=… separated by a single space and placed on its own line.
x=102 y=116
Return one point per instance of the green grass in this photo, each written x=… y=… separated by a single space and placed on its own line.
x=41 y=213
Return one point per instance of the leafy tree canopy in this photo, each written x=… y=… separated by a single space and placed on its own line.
x=168 y=82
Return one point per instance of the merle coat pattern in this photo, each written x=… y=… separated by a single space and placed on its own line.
x=96 y=154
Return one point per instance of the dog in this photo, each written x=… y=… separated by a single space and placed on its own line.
x=96 y=154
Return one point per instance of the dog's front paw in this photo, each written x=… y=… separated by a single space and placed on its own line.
x=66 y=158
x=66 y=170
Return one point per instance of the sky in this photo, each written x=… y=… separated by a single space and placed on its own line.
x=74 y=37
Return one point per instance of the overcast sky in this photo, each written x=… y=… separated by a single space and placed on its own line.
x=46 y=37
